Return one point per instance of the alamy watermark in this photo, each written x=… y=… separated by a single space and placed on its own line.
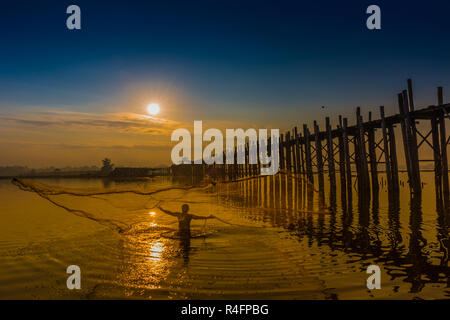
x=258 y=143
x=373 y=22
x=74 y=280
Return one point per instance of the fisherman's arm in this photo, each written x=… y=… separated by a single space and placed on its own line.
x=168 y=212
x=201 y=217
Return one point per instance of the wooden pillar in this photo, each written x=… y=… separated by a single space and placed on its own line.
x=258 y=159
x=288 y=152
x=331 y=169
x=248 y=165
x=247 y=158
x=302 y=153
x=282 y=166
x=293 y=153
x=252 y=165
x=308 y=160
x=364 y=171
x=443 y=134
x=348 y=167
x=404 y=136
x=373 y=158
x=237 y=166
x=255 y=165
x=319 y=160
x=412 y=143
x=387 y=160
x=269 y=147
x=393 y=158
x=357 y=163
x=297 y=151
x=241 y=166
x=410 y=95
x=437 y=157
x=342 y=164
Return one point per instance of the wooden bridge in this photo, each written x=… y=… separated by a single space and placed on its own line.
x=363 y=147
x=319 y=149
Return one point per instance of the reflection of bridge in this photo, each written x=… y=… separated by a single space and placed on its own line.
x=363 y=147
x=138 y=172
x=285 y=201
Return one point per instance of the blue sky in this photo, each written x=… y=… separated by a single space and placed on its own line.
x=266 y=62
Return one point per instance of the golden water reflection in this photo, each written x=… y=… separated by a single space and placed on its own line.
x=284 y=243
x=156 y=249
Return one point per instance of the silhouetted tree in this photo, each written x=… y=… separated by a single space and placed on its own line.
x=107 y=167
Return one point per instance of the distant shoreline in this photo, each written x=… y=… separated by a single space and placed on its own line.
x=113 y=177
x=77 y=176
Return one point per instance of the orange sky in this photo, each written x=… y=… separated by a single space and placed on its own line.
x=120 y=128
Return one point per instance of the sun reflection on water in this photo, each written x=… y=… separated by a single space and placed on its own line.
x=156 y=250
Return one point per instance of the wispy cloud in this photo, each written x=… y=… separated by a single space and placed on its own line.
x=60 y=137
x=122 y=122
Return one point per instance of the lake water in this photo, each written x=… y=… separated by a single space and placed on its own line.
x=278 y=243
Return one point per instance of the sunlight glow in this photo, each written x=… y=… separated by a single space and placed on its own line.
x=153 y=109
x=156 y=249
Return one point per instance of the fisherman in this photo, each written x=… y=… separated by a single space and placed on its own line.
x=184 y=220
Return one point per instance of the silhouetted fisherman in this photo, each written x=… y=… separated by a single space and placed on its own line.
x=184 y=219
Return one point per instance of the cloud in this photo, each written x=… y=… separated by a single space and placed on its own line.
x=118 y=122
x=26 y=122
x=147 y=147
x=61 y=137
x=110 y=122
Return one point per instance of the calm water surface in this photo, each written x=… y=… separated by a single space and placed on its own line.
x=281 y=243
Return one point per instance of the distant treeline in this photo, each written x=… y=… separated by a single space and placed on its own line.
x=12 y=171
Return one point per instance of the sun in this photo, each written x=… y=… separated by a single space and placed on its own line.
x=153 y=109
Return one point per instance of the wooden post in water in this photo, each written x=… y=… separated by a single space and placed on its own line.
x=297 y=151
x=342 y=164
x=356 y=158
x=405 y=137
x=331 y=169
x=258 y=159
x=437 y=157
x=309 y=171
x=248 y=166
x=387 y=160
x=373 y=158
x=241 y=166
x=348 y=166
x=288 y=151
x=445 y=182
x=254 y=165
x=302 y=154
x=282 y=151
x=237 y=165
x=319 y=161
x=244 y=165
x=293 y=153
x=269 y=147
x=412 y=143
x=393 y=158
x=362 y=157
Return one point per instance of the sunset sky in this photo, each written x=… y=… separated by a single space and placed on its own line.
x=72 y=97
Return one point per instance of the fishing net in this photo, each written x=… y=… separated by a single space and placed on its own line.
x=121 y=209
x=129 y=210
